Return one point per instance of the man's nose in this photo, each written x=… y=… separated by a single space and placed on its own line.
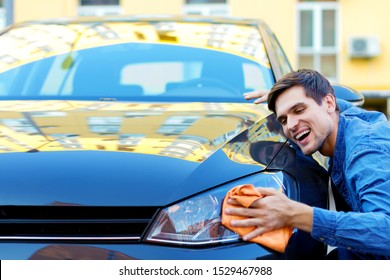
x=292 y=123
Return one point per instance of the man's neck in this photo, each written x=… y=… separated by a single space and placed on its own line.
x=329 y=145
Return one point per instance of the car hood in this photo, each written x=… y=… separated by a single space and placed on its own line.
x=122 y=153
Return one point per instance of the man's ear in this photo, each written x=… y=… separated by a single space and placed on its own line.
x=331 y=103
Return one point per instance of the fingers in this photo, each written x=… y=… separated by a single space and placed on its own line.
x=254 y=233
x=232 y=201
x=259 y=96
x=267 y=191
x=251 y=222
x=261 y=215
x=241 y=211
x=255 y=94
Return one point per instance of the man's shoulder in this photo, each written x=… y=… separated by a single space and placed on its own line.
x=362 y=116
x=365 y=129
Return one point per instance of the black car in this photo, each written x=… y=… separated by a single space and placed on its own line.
x=120 y=136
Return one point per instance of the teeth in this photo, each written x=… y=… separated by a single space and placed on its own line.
x=301 y=134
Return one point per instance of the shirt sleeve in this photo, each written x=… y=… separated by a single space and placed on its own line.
x=368 y=229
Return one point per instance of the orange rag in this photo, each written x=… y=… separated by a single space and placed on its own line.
x=245 y=195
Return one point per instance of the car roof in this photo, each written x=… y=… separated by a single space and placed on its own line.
x=153 y=18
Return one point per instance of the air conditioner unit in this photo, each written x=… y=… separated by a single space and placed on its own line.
x=363 y=47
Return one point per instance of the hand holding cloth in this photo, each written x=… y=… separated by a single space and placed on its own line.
x=245 y=195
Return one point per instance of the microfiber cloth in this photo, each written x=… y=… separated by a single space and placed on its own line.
x=245 y=195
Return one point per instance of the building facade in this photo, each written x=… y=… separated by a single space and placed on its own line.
x=347 y=41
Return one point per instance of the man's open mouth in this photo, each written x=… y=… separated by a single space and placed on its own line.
x=302 y=135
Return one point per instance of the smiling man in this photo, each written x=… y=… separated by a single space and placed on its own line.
x=358 y=144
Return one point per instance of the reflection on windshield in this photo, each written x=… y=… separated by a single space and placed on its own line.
x=263 y=143
x=30 y=42
x=189 y=132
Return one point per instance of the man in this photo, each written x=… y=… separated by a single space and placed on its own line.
x=358 y=144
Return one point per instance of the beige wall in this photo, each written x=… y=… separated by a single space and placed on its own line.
x=41 y=9
x=152 y=6
x=365 y=18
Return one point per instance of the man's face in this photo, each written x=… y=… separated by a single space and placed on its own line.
x=306 y=123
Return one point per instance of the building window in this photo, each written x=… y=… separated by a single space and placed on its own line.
x=99 y=7
x=129 y=140
x=206 y=7
x=177 y=124
x=104 y=125
x=317 y=40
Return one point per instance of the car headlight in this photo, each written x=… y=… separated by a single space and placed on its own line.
x=196 y=221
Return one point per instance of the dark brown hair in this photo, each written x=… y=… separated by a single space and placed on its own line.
x=314 y=84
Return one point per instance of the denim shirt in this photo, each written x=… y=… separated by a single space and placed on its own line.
x=360 y=170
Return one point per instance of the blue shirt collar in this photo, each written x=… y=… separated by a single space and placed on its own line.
x=338 y=158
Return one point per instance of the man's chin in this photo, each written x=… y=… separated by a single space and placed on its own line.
x=307 y=151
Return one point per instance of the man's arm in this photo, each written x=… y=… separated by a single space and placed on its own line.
x=366 y=228
x=260 y=96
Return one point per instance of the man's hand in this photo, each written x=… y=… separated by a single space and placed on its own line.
x=271 y=212
x=259 y=96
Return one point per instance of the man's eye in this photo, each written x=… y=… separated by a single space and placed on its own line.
x=299 y=110
x=283 y=121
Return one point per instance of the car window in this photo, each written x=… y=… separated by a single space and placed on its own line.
x=254 y=78
x=138 y=70
x=165 y=74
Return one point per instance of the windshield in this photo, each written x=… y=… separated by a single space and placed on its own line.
x=137 y=71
